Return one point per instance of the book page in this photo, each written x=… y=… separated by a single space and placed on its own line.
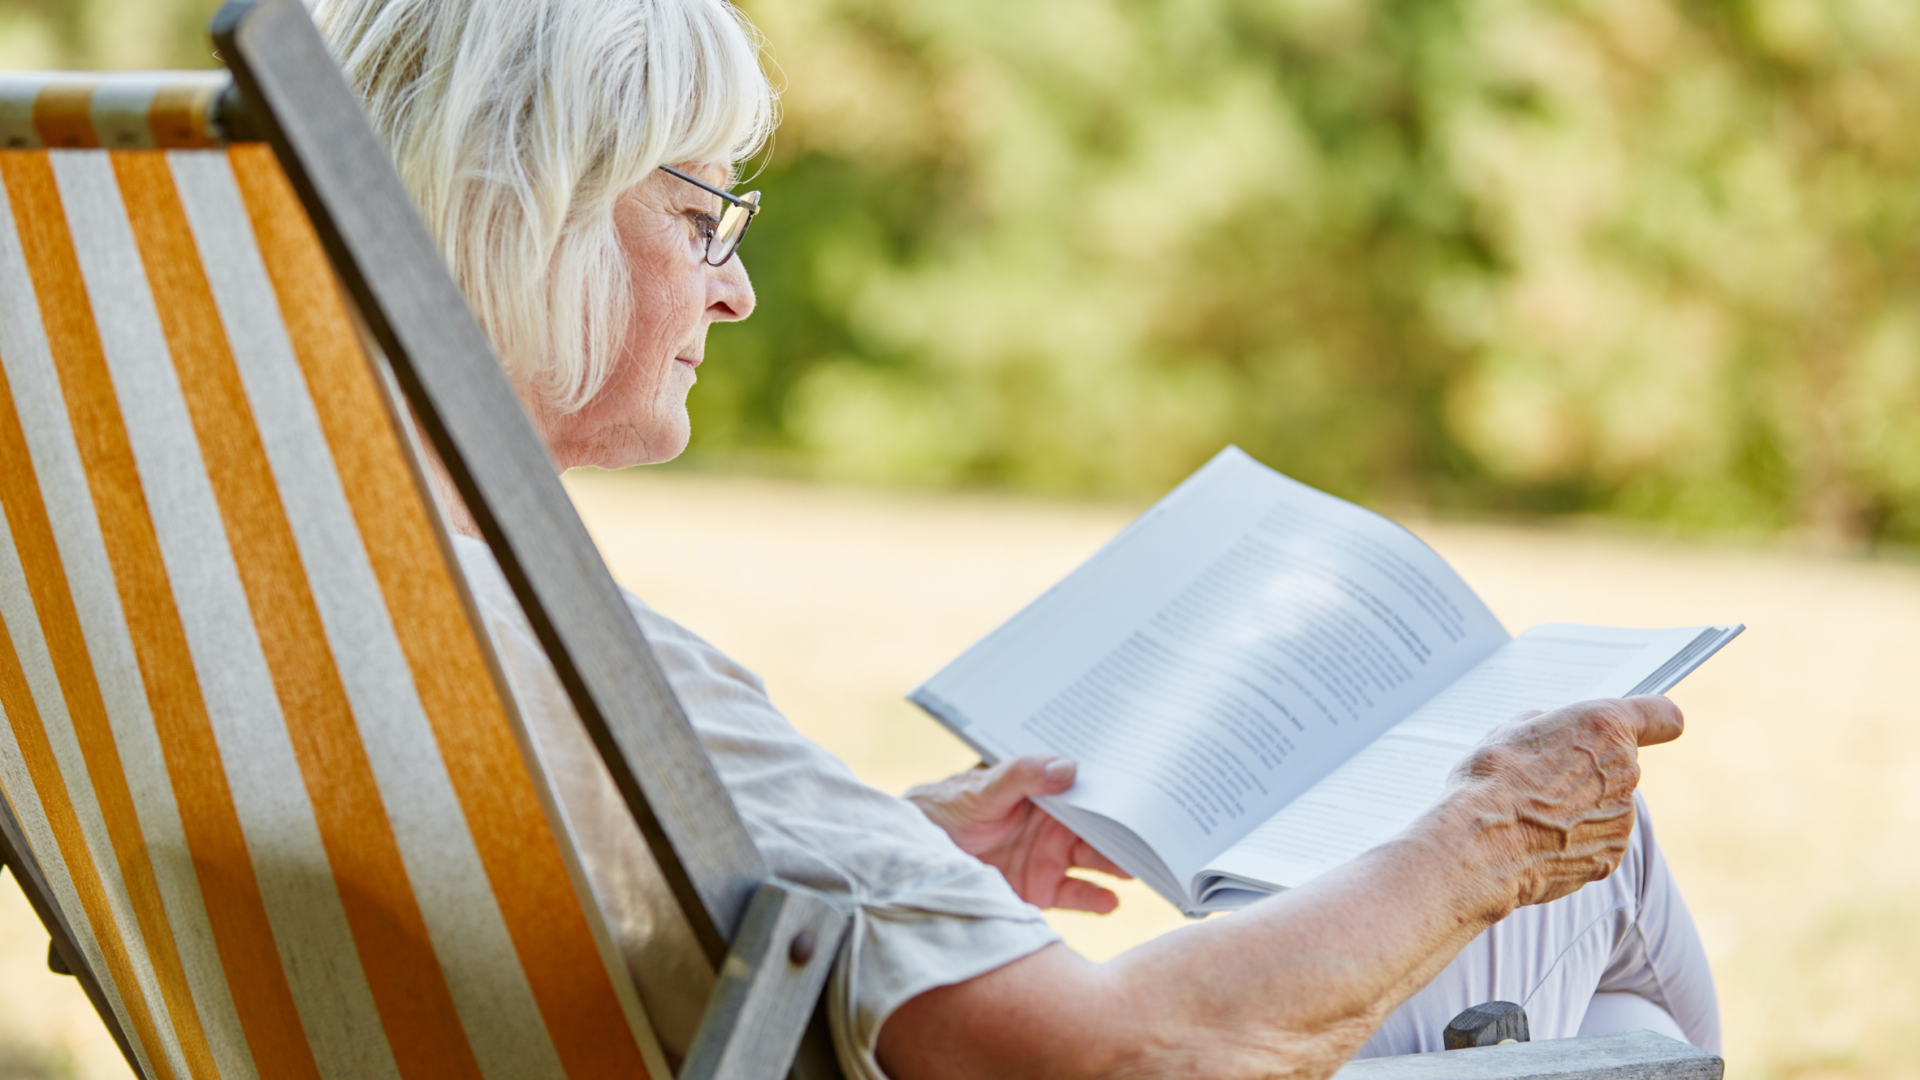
x=1383 y=788
x=1217 y=658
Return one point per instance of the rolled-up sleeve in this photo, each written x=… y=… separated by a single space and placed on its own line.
x=925 y=913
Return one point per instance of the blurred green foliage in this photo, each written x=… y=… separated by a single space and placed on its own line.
x=1651 y=258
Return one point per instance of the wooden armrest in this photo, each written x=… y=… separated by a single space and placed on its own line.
x=1632 y=1055
x=768 y=989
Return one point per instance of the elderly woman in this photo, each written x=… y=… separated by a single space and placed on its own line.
x=574 y=158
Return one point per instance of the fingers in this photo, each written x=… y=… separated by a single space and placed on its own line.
x=1017 y=779
x=1078 y=894
x=1659 y=720
x=1555 y=789
x=1650 y=719
x=1085 y=856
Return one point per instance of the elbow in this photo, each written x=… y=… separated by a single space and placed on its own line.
x=1050 y=1015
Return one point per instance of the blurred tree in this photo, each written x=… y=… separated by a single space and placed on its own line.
x=1656 y=258
x=105 y=34
x=1650 y=257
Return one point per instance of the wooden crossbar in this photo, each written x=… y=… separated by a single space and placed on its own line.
x=144 y=110
x=1632 y=1055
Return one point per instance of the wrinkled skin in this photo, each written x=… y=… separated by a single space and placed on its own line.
x=640 y=417
x=1292 y=985
x=1555 y=791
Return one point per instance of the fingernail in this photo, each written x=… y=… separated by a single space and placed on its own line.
x=1058 y=769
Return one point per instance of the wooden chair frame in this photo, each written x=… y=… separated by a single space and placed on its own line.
x=772 y=944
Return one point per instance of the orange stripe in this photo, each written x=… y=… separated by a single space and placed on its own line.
x=62 y=115
x=178 y=115
x=389 y=933
x=33 y=539
x=75 y=343
x=463 y=700
x=228 y=887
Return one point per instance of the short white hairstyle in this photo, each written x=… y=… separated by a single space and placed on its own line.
x=518 y=124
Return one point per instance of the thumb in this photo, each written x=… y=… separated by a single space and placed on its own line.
x=1659 y=719
x=1011 y=782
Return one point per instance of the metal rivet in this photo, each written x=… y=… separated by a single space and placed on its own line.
x=801 y=950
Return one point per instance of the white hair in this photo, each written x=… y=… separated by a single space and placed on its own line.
x=518 y=124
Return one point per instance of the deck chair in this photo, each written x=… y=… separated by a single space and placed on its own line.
x=263 y=777
x=263 y=781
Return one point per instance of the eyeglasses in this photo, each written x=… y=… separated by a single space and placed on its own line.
x=725 y=234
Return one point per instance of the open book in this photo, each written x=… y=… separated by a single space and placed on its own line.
x=1261 y=681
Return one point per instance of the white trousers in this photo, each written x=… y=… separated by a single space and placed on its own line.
x=1618 y=955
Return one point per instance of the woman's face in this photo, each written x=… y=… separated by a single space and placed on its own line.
x=640 y=416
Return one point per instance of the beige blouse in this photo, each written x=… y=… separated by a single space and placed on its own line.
x=926 y=914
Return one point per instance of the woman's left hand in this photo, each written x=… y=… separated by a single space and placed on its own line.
x=991 y=815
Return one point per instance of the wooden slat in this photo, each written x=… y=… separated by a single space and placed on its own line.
x=16 y=856
x=446 y=367
x=1633 y=1055
x=764 y=997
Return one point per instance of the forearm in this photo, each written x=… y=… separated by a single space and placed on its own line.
x=1290 y=986
x=1294 y=984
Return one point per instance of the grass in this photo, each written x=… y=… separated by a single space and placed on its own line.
x=1787 y=811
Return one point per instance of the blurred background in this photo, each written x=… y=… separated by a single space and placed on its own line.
x=1652 y=259
x=1617 y=302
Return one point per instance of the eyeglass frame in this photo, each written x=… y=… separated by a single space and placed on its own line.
x=749 y=202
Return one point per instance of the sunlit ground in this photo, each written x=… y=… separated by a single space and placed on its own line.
x=1789 y=811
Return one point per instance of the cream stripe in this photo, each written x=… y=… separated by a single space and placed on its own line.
x=496 y=1005
x=119 y=112
x=123 y=312
x=24 y=351
x=16 y=609
x=310 y=930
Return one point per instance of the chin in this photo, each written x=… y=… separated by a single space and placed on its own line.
x=656 y=447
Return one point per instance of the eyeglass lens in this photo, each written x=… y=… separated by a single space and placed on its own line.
x=733 y=226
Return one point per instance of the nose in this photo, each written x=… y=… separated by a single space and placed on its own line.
x=729 y=292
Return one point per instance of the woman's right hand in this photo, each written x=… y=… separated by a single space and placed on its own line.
x=990 y=814
x=1549 y=795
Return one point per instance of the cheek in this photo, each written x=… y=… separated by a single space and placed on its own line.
x=651 y=383
x=667 y=307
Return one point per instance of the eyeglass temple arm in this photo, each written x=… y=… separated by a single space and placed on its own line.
x=704 y=186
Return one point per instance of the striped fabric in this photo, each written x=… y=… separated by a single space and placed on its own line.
x=250 y=729
x=133 y=111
